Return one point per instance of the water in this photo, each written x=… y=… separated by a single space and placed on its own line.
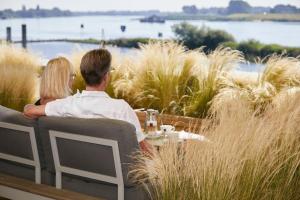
x=283 y=33
x=48 y=50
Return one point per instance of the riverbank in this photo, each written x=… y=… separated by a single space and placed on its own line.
x=252 y=49
x=236 y=17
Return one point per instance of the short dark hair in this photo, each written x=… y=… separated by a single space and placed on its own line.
x=94 y=65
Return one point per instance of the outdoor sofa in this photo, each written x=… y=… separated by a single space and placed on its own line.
x=89 y=156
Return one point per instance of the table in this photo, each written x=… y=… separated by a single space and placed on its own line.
x=179 y=136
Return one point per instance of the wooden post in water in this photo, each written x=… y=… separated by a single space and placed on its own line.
x=8 y=34
x=102 y=42
x=24 y=36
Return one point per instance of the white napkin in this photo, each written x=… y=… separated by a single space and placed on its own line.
x=182 y=135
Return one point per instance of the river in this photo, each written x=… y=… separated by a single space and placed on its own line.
x=108 y=27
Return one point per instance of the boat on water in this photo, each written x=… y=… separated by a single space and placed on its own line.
x=153 y=19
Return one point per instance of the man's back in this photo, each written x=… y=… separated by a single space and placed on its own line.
x=94 y=104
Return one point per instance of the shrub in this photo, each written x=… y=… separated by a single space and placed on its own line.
x=267 y=50
x=250 y=48
x=194 y=37
x=129 y=42
x=253 y=49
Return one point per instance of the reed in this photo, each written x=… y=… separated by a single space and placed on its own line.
x=19 y=77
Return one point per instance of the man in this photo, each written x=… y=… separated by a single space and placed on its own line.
x=92 y=102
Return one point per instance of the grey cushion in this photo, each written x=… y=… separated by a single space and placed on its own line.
x=6 y=111
x=19 y=140
x=18 y=143
x=90 y=157
x=25 y=172
x=100 y=158
x=102 y=190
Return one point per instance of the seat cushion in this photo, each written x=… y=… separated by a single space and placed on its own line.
x=11 y=116
x=25 y=172
x=87 y=156
x=102 y=190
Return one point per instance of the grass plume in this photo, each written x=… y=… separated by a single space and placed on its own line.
x=19 y=77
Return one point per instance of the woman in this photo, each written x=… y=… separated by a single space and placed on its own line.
x=56 y=80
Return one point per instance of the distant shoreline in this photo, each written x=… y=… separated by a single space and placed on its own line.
x=238 y=17
x=181 y=16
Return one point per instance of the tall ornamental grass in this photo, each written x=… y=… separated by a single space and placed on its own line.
x=75 y=59
x=281 y=71
x=168 y=77
x=281 y=76
x=163 y=76
x=249 y=157
x=18 y=77
x=221 y=64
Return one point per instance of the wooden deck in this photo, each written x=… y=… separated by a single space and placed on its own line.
x=30 y=190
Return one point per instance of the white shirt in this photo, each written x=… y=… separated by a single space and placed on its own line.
x=94 y=104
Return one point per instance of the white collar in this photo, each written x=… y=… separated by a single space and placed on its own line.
x=94 y=93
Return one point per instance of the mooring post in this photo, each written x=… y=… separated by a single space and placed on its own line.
x=8 y=34
x=24 y=36
x=102 y=42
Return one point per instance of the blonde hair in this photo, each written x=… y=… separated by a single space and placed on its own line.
x=55 y=79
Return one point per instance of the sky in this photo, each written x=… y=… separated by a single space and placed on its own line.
x=102 y=5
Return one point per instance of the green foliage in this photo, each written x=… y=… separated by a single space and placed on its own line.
x=193 y=37
x=253 y=49
x=122 y=42
x=128 y=42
